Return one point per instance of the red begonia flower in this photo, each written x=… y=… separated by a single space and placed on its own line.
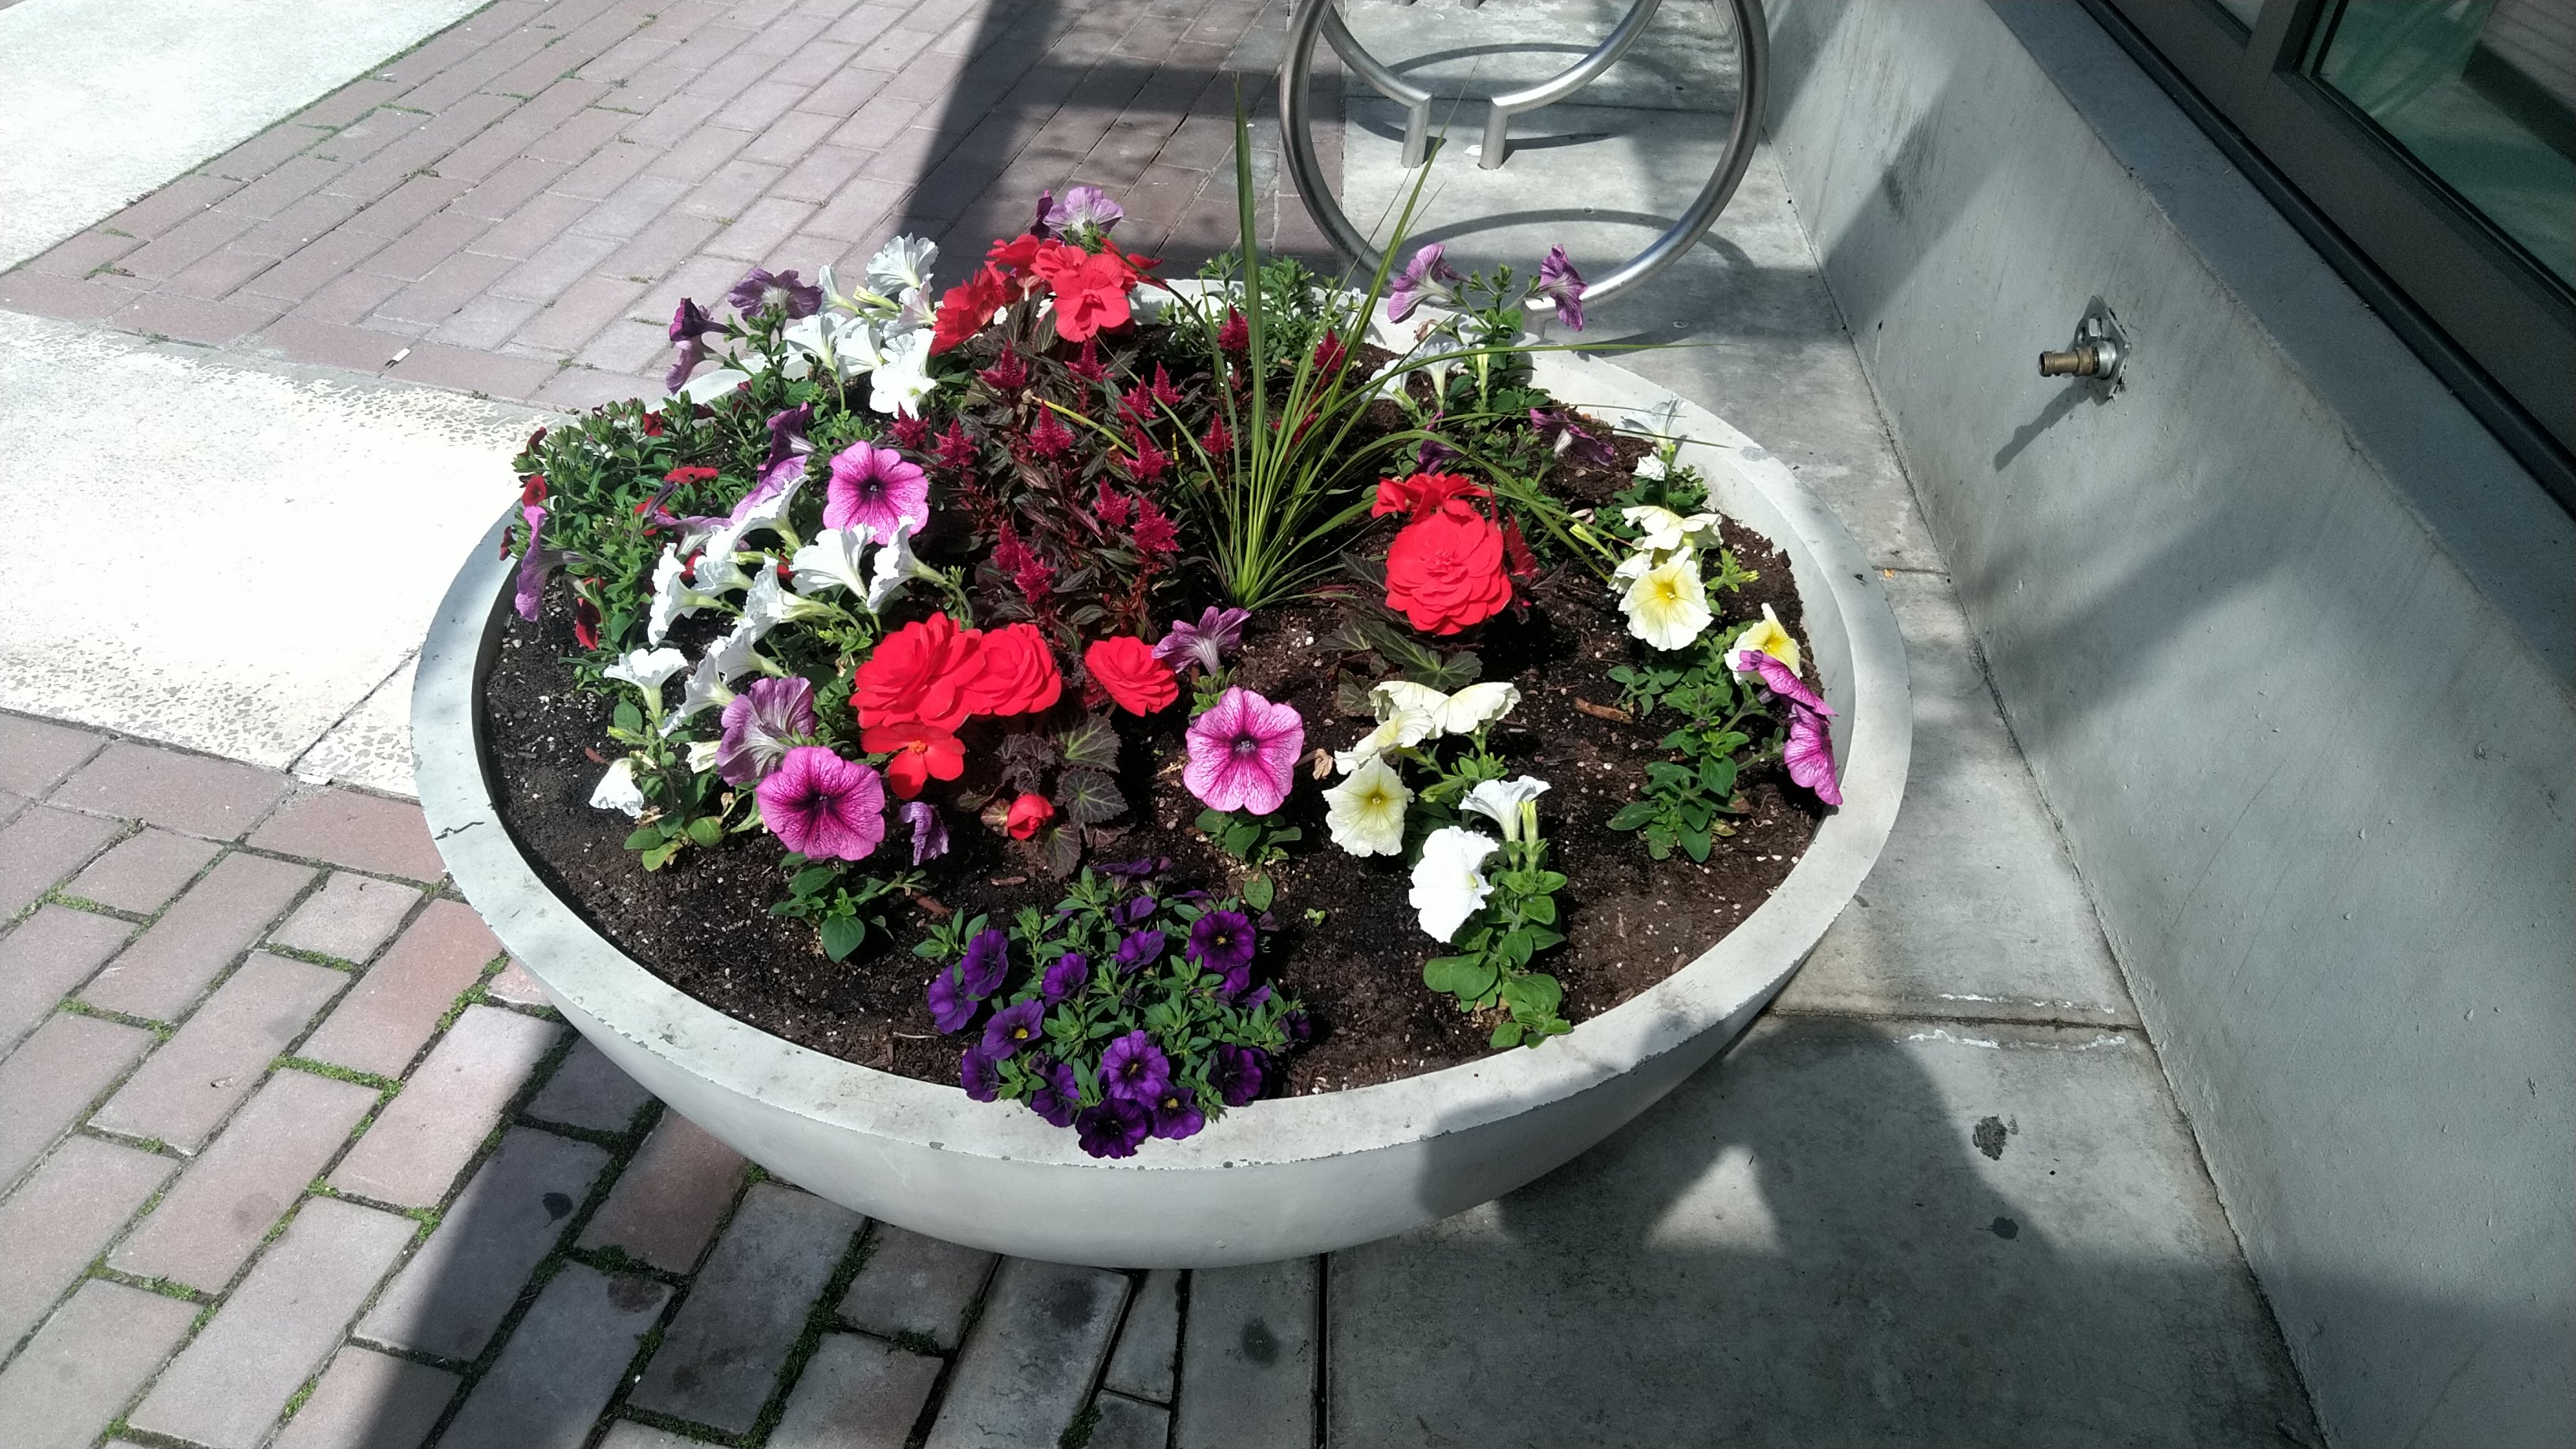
x=1445 y=570
x=921 y=754
x=920 y=673
x=1090 y=287
x=1029 y=815
x=1125 y=666
x=1422 y=493
x=1018 y=673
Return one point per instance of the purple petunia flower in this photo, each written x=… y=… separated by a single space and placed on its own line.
x=1222 y=943
x=1085 y=211
x=1177 y=1114
x=1243 y=753
x=980 y=1074
x=1426 y=278
x=788 y=450
x=1140 y=950
x=877 y=489
x=1560 y=283
x=950 y=1007
x=1140 y=869
x=1557 y=428
x=1135 y=1069
x=783 y=291
x=759 y=723
x=988 y=960
x=1809 y=753
x=689 y=326
x=1134 y=911
x=1070 y=973
x=1046 y=208
x=537 y=565
x=1777 y=677
x=823 y=806
x=1061 y=1097
x=1012 y=1028
x=1114 y=1128
x=1299 y=1028
x=929 y=831
x=1239 y=1074
x=1205 y=643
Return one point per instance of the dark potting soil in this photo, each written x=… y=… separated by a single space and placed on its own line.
x=703 y=924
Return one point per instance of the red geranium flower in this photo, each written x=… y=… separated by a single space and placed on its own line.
x=1422 y=493
x=1029 y=815
x=964 y=309
x=920 y=673
x=652 y=425
x=921 y=754
x=1125 y=666
x=1445 y=570
x=533 y=490
x=1090 y=287
x=1018 y=674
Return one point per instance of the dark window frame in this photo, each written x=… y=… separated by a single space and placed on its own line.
x=2495 y=327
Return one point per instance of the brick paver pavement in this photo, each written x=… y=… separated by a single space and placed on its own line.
x=216 y=1228
x=515 y=206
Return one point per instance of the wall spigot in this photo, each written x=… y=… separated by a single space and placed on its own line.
x=2099 y=350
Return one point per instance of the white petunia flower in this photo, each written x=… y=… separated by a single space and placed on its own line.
x=646 y=669
x=895 y=567
x=1448 y=886
x=731 y=655
x=708 y=386
x=1660 y=422
x=1464 y=712
x=1668 y=605
x=902 y=378
x=1376 y=742
x=1507 y=803
x=1652 y=466
x=617 y=790
x=1366 y=812
x=831 y=561
x=673 y=598
x=702 y=755
x=826 y=338
x=903 y=263
x=1664 y=530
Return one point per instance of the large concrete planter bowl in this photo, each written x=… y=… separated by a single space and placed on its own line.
x=1279 y=1178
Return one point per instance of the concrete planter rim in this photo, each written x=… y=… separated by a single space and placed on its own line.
x=1858 y=652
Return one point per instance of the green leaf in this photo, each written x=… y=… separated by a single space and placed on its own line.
x=660 y=855
x=1696 y=842
x=1212 y=822
x=1515 y=947
x=1541 y=938
x=842 y=935
x=1258 y=892
x=1717 y=777
x=645 y=838
x=1550 y=882
x=1089 y=743
x=1240 y=836
x=706 y=830
x=808 y=881
x=628 y=717
x=1464 y=977
x=929 y=950
x=1061 y=849
x=1633 y=814
x=1509 y=1033
x=1089 y=796
x=1533 y=998
x=1541 y=909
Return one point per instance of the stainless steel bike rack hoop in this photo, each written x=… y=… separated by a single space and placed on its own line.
x=1321 y=19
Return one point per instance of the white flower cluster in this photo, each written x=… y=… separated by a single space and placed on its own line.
x=1366 y=812
x=880 y=331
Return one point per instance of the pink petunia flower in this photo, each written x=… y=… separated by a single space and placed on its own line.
x=1809 y=754
x=875 y=488
x=1779 y=678
x=1243 y=752
x=822 y=806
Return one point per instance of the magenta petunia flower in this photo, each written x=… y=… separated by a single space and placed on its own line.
x=788 y=449
x=1243 y=752
x=758 y=723
x=1779 y=678
x=1560 y=283
x=689 y=327
x=536 y=565
x=1426 y=278
x=822 y=806
x=1084 y=209
x=876 y=489
x=1809 y=754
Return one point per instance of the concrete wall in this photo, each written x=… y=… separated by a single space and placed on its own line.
x=2288 y=641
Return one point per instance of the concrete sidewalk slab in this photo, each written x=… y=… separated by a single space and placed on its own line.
x=327 y=512
x=110 y=98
